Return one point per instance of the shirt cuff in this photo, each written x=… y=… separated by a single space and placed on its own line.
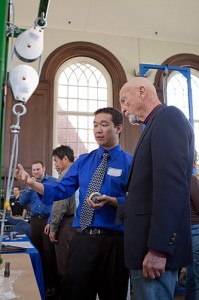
x=157 y=253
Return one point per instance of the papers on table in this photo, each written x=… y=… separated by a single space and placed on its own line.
x=18 y=244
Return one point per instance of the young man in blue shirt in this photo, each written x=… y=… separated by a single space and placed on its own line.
x=40 y=217
x=95 y=261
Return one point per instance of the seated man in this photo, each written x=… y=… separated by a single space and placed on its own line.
x=17 y=215
x=18 y=211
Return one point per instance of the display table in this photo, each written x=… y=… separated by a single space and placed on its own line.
x=21 y=284
x=23 y=241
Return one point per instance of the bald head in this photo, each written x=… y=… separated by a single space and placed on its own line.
x=138 y=82
x=138 y=98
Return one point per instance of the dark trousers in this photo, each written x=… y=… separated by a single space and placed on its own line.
x=46 y=250
x=65 y=235
x=95 y=265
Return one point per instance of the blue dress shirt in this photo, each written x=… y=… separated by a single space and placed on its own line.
x=79 y=176
x=37 y=207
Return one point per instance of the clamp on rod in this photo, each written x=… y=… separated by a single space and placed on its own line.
x=41 y=21
x=16 y=128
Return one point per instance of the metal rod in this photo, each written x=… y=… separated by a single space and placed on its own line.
x=43 y=8
x=3 y=69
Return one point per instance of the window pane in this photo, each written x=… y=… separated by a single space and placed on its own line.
x=83 y=105
x=62 y=78
x=101 y=104
x=92 y=94
x=72 y=92
x=91 y=138
x=102 y=94
x=63 y=121
x=83 y=91
x=92 y=106
x=83 y=81
x=62 y=91
x=73 y=79
x=83 y=135
x=83 y=122
x=73 y=120
x=62 y=104
x=72 y=104
x=68 y=72
x=93 y=81
x=102 y=82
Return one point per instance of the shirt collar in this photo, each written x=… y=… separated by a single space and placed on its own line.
x=46 y=177
x=151 y=113
x=112 y=152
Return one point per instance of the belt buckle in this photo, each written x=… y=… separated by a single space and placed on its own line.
x=94 y=231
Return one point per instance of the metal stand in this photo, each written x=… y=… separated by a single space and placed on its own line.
x=185 y=71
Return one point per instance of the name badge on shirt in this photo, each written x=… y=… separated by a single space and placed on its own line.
x=114 y=172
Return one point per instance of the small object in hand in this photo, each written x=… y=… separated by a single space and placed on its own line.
x=7 y=269
x=94 y=196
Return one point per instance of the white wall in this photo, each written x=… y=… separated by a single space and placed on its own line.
x=129 y=51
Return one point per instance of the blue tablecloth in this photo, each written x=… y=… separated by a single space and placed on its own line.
x=36 y=262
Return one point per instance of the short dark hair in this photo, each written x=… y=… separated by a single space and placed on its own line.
x=62 y=151
x=117 y=117
x=38 y=162
x=17 y=187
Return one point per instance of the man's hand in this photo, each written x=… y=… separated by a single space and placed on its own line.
x=102 y=200
x=23 y=177
x=52 y=236
x=99 y=202
x=47 y=229
x=153 y=265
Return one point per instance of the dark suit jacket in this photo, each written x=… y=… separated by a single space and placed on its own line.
x=156 y=212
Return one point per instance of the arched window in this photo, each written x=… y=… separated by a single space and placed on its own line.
x=177 y=88
x=177 y=95
x=82 y=85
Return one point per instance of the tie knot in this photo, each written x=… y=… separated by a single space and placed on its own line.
x=106 y=155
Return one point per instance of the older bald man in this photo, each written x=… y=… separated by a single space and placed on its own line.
x=156 y=215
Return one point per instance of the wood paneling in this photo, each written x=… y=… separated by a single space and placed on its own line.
x=35 y=137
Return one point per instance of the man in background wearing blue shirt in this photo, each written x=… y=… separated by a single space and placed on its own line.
x=40 y=217
x=95 y=261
